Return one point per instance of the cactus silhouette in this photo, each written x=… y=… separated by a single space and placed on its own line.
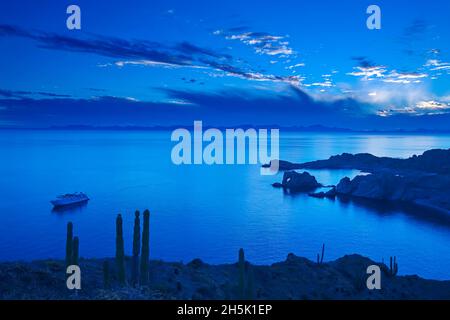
x=320 y=257
x=241 y=265
x=136 y=249
x=120 y=251
x=393 y=266
x=75 y=251
x=145 y=248
x=249 y=290
x=69 y=244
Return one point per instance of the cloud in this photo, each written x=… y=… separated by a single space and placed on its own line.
x=150 y=63
x=363 y=61
x=292 y=108
x=432 y=105
x=420 y=108
x=262 y=42
x=404 y=77
x=190 y=49
x=10 y=94
x=152 y=54
x=96 y=89
x=436 y=65
x=294 y=66
x=136 y=51
x=367 y=73
x=416 y=30
x=413 y=37
x=326 y=84
x=21 y=93
x=233 y=71
x=104 y=46
x=414 y=99
x=408 y=75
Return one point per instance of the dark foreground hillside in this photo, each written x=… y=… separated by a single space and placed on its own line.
x=295 y=278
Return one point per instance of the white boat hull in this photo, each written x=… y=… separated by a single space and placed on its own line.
x=61 y=202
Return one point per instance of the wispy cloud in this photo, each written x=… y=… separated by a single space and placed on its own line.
x=217 y=108
x=432 y=105
x=104 y=46
x=154 y=54
x=150 y=63
x=436 y=65
x=416 y=30
x=21 y=94
x=367 y=73
x=294 y=66
x=404 y=77
x=414 y=36
x=262 y=42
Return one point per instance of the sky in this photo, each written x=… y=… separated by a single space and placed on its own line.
x=286 y=63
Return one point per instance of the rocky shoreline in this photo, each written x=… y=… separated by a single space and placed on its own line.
x=422 y=180
x=294 y=278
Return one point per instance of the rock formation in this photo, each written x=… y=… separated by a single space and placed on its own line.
x=421 y=180
x=298 y=181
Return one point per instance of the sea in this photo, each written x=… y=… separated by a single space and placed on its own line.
x=206 y=211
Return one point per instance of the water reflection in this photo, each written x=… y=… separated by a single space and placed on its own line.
x=387 y=208
x=71 y=209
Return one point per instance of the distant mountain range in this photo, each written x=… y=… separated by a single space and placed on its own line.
x=313 y=128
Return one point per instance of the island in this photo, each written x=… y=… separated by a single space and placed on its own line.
x=422 y=180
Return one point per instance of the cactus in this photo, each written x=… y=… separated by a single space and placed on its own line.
x=249 y=290
x=393 y=266
x=120 y=251
x=241 y=265
x=106 y=276
x=75 y=251
x=390 y=265
x=136 y=248
x=320 y=257
x=69 y=244
x=145 y=248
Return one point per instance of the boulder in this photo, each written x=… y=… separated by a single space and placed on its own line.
x=299 y=181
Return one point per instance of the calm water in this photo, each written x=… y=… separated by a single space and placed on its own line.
x=204 y=211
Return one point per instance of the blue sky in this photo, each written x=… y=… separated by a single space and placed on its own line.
x=234 y=62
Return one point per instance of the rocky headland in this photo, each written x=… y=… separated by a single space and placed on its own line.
x=422 y=180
